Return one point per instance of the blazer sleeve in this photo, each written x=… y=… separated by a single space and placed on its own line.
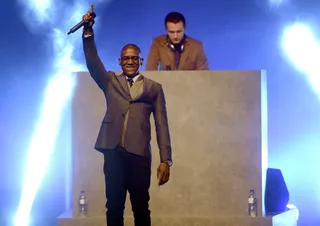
x=201 y=61
x=153 y=58
x=94 y=64
x=162 y=127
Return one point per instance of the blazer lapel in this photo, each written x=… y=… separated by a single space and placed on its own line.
x=123 y=82
x=147 y=84
x=170 y=56
x=136 y=90
x=184 y=56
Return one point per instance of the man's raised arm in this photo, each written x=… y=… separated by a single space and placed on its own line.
x=93 y=61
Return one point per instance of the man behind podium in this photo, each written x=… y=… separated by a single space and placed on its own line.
x=176 y=50
x=124 y=136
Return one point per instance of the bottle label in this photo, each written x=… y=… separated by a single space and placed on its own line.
x=82 y=201
x=251 y=200
x=253 y=214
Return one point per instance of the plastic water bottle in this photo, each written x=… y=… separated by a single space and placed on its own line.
x=252 y=204
x=82 y=204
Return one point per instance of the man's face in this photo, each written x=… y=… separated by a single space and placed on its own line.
x=175 y=32
x=130 y=61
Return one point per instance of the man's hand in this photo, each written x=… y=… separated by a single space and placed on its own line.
x=163 y=173
x=89 y=19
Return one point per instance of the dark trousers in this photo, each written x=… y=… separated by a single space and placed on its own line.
x=127 y=172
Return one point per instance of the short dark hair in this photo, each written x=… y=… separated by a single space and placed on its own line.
x=130 y=45
x=175 y=17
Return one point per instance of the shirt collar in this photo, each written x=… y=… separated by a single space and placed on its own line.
x=134 y=78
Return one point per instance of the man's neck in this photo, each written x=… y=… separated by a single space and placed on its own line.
x=177 y=46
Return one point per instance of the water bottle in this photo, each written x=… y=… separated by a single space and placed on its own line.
x=82 y=204
x=252 y=204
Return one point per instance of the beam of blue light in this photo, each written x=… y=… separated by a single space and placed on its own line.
x=42 y=142
x=303 y=51
x=301 y=47
x=57 y=95
x=49 y=15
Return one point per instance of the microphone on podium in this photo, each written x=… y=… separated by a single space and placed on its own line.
x=81 y=23
x=168 y=68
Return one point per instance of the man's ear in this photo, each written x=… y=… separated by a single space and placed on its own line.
x=119 y=61
x=141 y=61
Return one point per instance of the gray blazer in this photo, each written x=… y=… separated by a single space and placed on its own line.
x=127 y=118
